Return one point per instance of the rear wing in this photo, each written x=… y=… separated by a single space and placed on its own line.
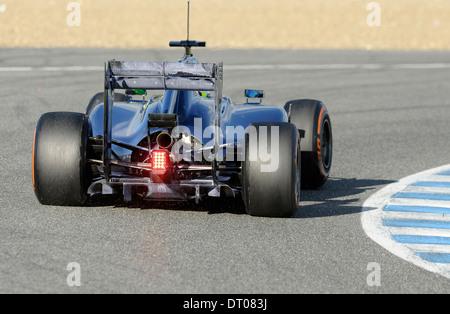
x=162 y=75
x=157 y=76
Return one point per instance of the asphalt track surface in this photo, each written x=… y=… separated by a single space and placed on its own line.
x=389 y=121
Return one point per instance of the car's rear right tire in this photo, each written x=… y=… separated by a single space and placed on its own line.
x=272 y=191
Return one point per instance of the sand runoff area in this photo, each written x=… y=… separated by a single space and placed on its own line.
x=280 y=24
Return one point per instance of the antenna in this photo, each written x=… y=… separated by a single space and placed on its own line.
x=189 y=11
x=188 y=48
x=188 y=44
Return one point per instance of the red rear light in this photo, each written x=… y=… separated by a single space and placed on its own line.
x=160 y=160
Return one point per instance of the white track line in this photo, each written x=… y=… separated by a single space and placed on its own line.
x=339 y=66
x=253 y=67
x=416 y=216
x=421 y=231
x=52 y=69
x=430 y=247
x=424 y=189
x=418 y=202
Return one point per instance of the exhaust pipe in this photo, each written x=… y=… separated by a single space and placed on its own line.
x=164 y=140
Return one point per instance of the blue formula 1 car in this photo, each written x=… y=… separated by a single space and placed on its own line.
x=189 y=143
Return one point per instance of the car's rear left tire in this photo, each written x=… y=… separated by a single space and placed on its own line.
x=61 y=175
x=270 y=192
x=312 y=118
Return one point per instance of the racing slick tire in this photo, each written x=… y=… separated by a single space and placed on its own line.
x=311 y=117
x=271 y=188
x=61 y=175
x=99 y=99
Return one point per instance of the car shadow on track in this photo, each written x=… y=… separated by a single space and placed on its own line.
x=339 y=196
